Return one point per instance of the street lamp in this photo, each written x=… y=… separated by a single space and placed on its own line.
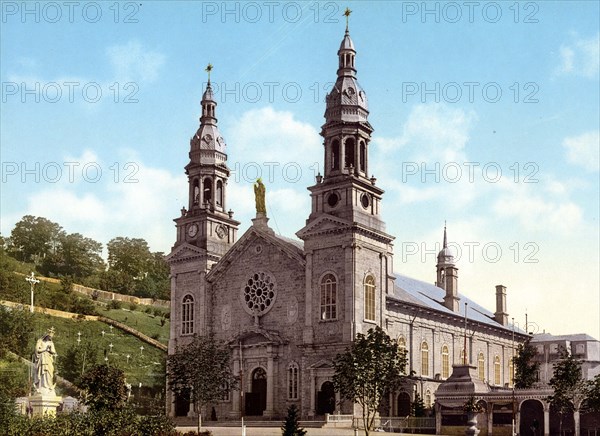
x=32 y=282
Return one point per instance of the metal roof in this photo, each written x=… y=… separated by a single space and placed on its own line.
x=430 y=296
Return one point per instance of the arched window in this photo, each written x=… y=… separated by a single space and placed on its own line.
x=497 y=370
x=445 y=362
x=463 y=358
x=363 y=157
x=370 y=298
x=207 y=190
x=329 y=297
x=219 y=193
x=511 y=371
x=196 y=193
x=424 y=359
x=349 y=153
x=293 y=381
x=481 y=366
x=335 y=155
x=187 y=315
x=428 y=399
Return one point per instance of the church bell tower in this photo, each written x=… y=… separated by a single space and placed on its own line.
x=345 y=242
x=206 y=223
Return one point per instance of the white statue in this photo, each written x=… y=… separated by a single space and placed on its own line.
x=43 y=359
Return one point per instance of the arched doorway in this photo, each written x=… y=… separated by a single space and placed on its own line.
x=403 y=404
x=326 y=399
x=182 y=403
x=256 y=401
x=532 y=418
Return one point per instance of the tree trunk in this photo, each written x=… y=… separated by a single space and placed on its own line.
x=199 y=412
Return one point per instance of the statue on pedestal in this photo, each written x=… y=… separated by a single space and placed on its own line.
x=43 y=360
x=259 y=197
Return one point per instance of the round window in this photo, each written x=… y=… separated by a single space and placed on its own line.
x=258 y=294
x=364 y=200
x=333 y=199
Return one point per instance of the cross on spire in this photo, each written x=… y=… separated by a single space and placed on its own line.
x=347 y=13
x=208 y=69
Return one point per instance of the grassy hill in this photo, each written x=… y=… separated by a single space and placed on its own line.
x=145 y=366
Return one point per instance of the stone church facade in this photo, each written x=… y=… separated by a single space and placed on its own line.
x=287 y=306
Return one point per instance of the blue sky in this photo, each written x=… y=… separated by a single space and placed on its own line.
x=485 y=116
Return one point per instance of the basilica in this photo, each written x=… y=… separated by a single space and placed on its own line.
x=288 y=306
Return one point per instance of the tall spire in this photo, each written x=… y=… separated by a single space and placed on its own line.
x=208 y=136
x=445 y=239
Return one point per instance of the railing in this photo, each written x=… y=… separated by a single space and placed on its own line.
x=338 y=418
x=401 y=424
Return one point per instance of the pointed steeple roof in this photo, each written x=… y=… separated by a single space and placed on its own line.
x=347 y=101
x=208 y=137
x=445 y=255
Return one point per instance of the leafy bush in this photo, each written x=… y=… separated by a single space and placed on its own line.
x=132 y=306
x=113 y=304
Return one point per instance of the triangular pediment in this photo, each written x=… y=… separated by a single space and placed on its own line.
x=243 y=244
x=185 y=252
x=322 y=225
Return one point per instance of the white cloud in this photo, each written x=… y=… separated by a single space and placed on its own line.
x=266 y=135
x=583 y=150
x=433 y=143
x=580 y=58
x=108 y=209
x=536 y=212
x=132 y=61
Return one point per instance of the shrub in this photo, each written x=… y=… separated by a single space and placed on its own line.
x=114 y=304
x=132 y=306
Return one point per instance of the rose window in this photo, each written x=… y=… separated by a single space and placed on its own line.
x=258 y=294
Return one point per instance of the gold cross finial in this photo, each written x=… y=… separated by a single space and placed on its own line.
x=208 y=69
x=347 y=13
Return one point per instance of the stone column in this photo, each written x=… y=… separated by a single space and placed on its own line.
x=235 y=400
x=576 y=422
x=311 y=412
x=546 y=420
x=308 y=308
x=490 y=418
x=337 y=403
x=269 y=412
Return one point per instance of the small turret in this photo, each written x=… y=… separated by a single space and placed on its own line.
x=447 y=275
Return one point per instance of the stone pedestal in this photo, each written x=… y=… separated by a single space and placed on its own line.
x=44 y=404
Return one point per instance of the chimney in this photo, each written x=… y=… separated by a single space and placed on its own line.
x=501 y=316
x=451 y=286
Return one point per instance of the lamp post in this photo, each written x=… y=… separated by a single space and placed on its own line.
x=32 y=282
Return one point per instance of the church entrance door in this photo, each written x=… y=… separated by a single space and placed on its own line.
x=182 y=404
x=403 y=405
x=256 y=401
x=326 y=399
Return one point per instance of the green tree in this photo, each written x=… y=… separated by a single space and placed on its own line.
x=526 y=367
x=417 y=408
x=16 y=326
x=33 y=238
x=367 y=371
x=75 y=256
x=201 y=369
x=76 y=359
x=291 y=425
x=568 y=384
x=13 y=384
x=593 y=394
x=103 y=388
x=130 y=256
